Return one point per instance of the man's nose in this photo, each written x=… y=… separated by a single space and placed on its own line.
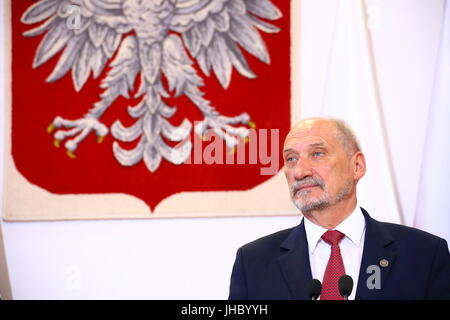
x=302 y=170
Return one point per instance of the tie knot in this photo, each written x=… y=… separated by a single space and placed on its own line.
x=333 y=237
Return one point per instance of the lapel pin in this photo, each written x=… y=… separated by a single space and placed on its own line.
x=384 y=263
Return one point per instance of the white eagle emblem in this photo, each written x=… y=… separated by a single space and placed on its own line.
x=147 y=38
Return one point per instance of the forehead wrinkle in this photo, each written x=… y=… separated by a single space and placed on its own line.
x=318 y=141
x=317 y=144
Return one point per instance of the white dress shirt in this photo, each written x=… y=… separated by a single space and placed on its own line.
x=352 y=245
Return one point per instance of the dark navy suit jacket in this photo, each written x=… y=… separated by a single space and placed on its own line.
x=277 y=266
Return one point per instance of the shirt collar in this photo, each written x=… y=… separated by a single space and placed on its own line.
x=353 y=227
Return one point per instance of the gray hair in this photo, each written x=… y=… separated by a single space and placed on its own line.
x=346 y=137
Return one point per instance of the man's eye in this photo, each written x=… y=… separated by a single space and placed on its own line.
x=291 y=159
x=318 y=154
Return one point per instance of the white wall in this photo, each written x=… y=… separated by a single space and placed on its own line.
x=192 y=258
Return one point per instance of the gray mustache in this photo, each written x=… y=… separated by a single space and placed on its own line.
x=307 y=181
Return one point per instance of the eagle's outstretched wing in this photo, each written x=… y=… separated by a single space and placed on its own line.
x=88 y=43
x=212 y=30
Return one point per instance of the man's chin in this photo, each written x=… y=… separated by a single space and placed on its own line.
x=306 y=207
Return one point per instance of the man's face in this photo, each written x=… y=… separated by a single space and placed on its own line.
x=318 y=170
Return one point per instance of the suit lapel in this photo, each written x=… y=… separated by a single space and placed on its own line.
x=294 y=262
x=379 y=252
x=379 y=247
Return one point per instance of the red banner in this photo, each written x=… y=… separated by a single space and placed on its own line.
x=149 y=98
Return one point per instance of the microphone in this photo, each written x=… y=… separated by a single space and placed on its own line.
x=314 y=289
x=345 y=286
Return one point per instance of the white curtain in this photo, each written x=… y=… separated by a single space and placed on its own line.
x=433 y=198
x=351 y=94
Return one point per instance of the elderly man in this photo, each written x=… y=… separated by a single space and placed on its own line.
x=323 y=164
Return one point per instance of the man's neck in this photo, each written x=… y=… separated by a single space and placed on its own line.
x=331 y=217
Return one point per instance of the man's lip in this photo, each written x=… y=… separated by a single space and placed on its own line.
x=306 y=186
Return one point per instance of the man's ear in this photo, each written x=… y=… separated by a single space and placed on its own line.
x=359 y=165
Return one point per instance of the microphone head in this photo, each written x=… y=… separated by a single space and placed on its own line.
x=345 y=285
x=314 y=289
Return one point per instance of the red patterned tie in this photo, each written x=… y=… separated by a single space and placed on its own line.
x=335 y=267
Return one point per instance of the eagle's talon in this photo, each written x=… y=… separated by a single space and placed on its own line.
x=50 y=128
x=100 y=139
x=78 y=130
x=71 y=154
x=226 y=128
